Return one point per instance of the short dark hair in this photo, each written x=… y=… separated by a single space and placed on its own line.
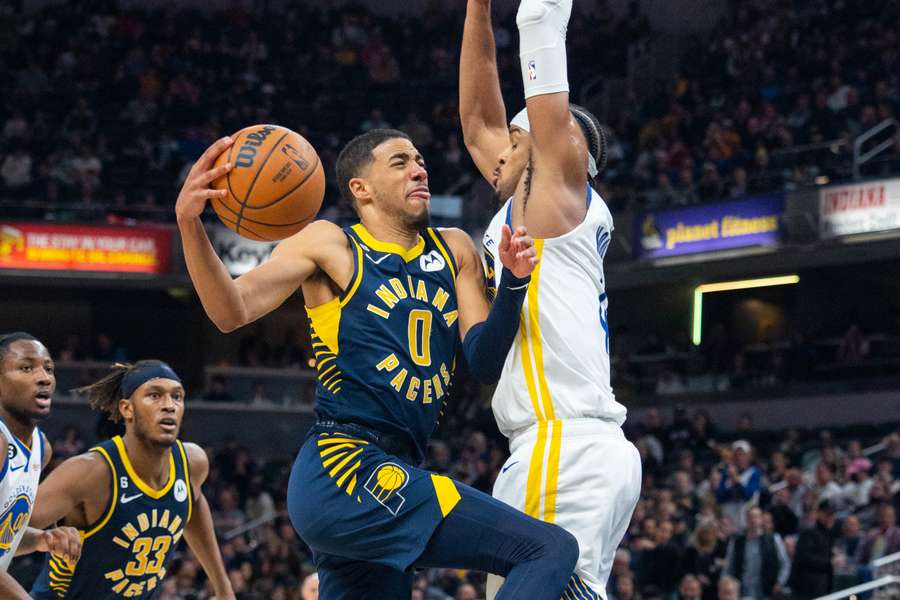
x=357 y=154
x=7 y=339
x=594 y=133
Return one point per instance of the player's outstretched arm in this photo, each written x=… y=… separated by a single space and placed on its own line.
x=481 y=110
x=231 y=303
x=488 y=331
x=559 y=153
x=68 y=487
x=199 y=532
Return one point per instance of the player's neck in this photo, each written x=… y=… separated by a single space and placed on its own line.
x=150 y=462
x=385 y=231
x=22 y=431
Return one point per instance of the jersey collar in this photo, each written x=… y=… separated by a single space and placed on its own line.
x=369 y=240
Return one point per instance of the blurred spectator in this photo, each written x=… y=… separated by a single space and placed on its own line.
x=689 y=588
x=740 y=483
x=310 y=588
x=729 y=588
x=884 y=539
x=704 y=557
x=812 y=571
x=218 y=391
x=758 y=559
x=16 y=171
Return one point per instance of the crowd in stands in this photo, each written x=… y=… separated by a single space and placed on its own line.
x=749 y=514
x=107 y=107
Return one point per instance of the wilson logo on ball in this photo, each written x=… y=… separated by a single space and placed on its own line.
x=247 y=153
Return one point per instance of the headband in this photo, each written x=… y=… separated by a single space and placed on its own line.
x=143 y=373
x=521 y=121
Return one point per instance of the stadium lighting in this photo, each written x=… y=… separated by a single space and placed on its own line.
x=727 y=286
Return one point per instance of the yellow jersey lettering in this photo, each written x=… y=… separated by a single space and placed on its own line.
x=135 y=589
x=445 y=375
x=451 y=317
x=130 y=531
x=399 y=378
x=412 y=292
x=438 y=388
x=421 y=293
x=426 y=391
x=398 y=287
x=378 y=311
x=388 y=364
x=175 y=525
x=420 y=343
x=387 y=296
x=413 y=390
x=440 y=299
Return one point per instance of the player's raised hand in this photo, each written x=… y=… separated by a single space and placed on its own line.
x=196 y=191
x=517 y=251
x=64 y=542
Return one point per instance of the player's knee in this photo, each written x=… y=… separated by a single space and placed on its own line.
x=562 y=548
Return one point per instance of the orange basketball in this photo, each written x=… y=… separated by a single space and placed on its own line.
x=276 y=184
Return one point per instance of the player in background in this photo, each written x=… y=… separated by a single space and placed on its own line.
x=27 y=383
x=570 y=463
x=132 y=497
x=390 y=300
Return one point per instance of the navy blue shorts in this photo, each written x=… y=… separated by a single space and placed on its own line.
x=351 y=501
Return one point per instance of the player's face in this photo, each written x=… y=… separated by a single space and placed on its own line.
x=27 y=381
x=399 y=182
x=511 y=164
x=155 y=411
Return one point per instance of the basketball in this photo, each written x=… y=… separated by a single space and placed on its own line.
x=276 y=184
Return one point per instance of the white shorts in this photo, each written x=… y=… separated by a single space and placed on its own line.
x=581 y=474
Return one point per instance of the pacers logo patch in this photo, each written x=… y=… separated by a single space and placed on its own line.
x=385 y=484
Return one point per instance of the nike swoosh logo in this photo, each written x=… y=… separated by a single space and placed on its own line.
x=127 y=499
x=377 y=262
x=19 y=468
x=508 y=467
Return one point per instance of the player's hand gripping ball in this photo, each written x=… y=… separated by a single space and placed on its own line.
x=275 y=185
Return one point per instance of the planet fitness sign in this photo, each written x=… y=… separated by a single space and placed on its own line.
x=710 y=227
x=74 y=248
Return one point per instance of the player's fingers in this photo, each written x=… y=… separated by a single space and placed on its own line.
x=207 y=193
x=525 y=241
x=210 y=154
x=505 y=237
x=521 y=231
x=213 y=174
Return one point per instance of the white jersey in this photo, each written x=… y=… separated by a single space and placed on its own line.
x=19 y=480
x=558 y=367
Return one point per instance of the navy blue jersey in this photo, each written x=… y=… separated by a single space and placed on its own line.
x=385 y=349
x=126 y=553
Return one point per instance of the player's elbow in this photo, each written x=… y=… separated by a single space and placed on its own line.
x=228 y=323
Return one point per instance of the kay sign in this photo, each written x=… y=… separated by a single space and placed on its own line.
x=859 y=208
x=239 y=254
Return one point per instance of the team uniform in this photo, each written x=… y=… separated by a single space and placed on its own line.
x=18 y=487
x=126 y=553
x=569 y=463
x=385 y=356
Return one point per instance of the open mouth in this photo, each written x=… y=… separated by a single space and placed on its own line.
x=43 y=398
x=168 y=425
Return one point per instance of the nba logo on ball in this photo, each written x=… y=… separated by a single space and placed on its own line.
x=532 y=71
x=180 y=491
x=385 y=483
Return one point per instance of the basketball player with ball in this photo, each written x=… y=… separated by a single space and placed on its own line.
x=389 y=299
x=569 y=463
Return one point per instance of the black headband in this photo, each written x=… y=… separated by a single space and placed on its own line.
x=143 y=373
